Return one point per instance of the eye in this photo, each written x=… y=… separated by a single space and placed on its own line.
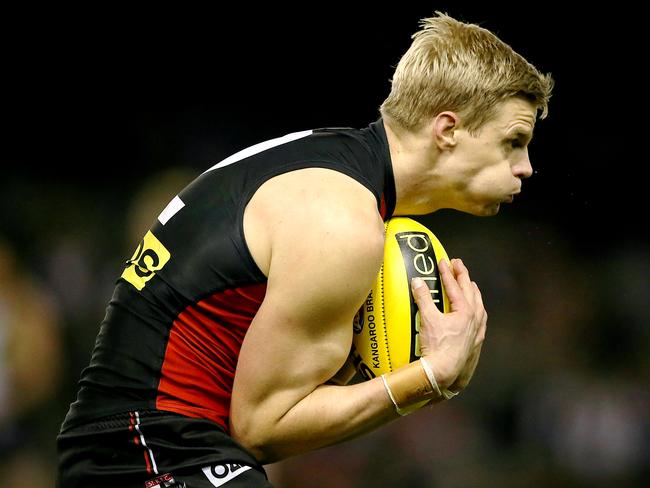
x=515 y=143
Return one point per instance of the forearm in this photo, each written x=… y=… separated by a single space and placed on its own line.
x=329 y=415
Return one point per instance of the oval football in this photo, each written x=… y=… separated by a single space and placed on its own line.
x=386 y=329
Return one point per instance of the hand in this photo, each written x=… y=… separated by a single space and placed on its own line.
x=468 y=371
x=451 y=342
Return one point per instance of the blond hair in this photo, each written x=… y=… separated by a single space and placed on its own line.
x=462 y=68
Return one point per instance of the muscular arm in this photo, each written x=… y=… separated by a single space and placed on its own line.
x=325 y=252
x=317 y=236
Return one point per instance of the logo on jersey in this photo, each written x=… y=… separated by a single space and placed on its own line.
x=221 y=474
x=149 y=257
x=164 y=481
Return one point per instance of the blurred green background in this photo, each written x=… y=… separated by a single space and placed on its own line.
x=109 y=114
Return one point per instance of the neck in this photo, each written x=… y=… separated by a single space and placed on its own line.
x=419 y=189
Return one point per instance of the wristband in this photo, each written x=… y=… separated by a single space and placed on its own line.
x=446 y=393
x=408 y=386
x=392 y=398
x=449 y=394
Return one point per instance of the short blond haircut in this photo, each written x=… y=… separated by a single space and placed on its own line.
x=462 y=68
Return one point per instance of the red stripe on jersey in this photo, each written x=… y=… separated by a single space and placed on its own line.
x=147 y=462
x=202 y=351
x=136 y=441
x=382 y=207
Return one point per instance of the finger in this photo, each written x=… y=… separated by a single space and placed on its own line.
x=422 y=295
x=482 y=318
x=457 y=299
x=480 y=335
x=476 y=299
x=463 y=279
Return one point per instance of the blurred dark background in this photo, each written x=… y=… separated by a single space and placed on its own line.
x=107 y=114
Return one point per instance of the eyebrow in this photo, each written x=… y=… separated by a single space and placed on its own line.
x=521 y=134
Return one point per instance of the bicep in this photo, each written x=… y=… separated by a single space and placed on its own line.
x=301 y=334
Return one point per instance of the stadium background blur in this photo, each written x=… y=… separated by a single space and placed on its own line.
x=108 y=114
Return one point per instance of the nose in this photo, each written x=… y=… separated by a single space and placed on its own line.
x=523 y=168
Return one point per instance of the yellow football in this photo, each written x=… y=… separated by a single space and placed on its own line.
x=386 y=328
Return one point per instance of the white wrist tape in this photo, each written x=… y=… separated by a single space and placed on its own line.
x=432 y=378
x=392 y=398
x=447 y=394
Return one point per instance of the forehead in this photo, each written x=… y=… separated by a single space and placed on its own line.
x=514 y=113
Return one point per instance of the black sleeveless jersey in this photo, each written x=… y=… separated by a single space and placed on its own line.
x=173 y=329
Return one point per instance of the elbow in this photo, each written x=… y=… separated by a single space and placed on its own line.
x=255 y=440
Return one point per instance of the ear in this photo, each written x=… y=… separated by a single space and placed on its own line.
x=444 y=129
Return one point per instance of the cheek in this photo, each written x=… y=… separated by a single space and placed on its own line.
x=500 y=177
x=490 y=181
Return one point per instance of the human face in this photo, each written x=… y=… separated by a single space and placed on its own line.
x=488 y=168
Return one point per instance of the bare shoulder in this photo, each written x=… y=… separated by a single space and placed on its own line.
x=324 y=240
x=312 y=209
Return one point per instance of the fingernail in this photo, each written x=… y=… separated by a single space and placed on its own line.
x=417 y=283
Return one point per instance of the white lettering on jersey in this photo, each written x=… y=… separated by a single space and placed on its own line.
x=221 y=474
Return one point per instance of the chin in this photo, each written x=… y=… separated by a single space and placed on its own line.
x=487 y=210
x=480 y=208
